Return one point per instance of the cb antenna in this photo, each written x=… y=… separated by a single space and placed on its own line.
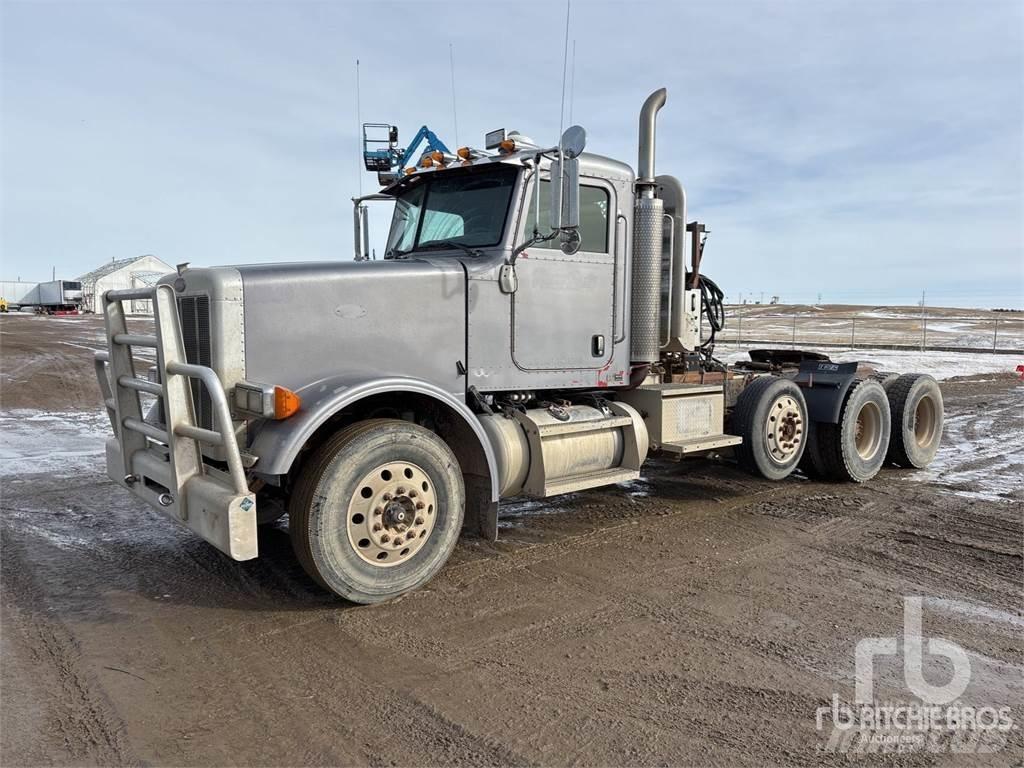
x=455 y=114
x=359 y=131
x=572 y=80
x=565 y=67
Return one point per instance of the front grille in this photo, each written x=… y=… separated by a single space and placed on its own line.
x=195 y=331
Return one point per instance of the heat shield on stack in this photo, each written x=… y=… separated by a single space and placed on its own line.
x=645 y=312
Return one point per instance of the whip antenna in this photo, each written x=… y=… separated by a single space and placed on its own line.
x=572 y=81
x=455 y=115
x=565 y=67
x=359 y=130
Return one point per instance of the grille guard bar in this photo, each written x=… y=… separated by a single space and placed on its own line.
x=165 y=466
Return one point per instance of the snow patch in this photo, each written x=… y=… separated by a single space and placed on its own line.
x=941 y=365
x=60 y=444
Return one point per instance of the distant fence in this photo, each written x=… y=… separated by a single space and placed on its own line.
x=875 y=330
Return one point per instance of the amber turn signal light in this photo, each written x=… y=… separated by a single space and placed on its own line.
x=286 y=403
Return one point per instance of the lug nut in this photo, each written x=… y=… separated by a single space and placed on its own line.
x=400 y=490
x=385 y=538
x=420 y=505
x=398 y=541
x=419 y=521
x=378 y=511
x=386 y=497
x=376 y=527
x=412 y=494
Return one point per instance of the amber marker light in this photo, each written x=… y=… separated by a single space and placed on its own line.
x=286 y=403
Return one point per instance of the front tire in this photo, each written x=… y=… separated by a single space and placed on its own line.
x=377 y=510
x=771 y=417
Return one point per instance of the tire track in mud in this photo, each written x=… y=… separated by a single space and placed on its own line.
x=80 y=712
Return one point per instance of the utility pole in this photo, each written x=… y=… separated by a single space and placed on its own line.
x=924 y=323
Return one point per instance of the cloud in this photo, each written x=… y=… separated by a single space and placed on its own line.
x=869 y=150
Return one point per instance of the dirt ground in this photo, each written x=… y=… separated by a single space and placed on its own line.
x=699 y=616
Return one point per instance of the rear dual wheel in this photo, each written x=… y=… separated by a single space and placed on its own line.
x=377 y=510
x=917 y=420
x=855 y=448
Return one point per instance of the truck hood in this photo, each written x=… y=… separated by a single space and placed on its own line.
x=310 y=321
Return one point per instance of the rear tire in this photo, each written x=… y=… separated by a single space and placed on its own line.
x=771 y=417
x=812 y=464
x=855 y=448
x=377 y=510
x=917 y=417
x=885 y=378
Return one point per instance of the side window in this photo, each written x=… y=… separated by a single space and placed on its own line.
x=594 y=206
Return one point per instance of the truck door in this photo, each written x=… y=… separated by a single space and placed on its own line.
x=562 y=312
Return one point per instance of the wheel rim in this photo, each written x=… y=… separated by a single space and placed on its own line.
x=784 y=429
x=868 y=431
x=391 y=514
x=925 y=422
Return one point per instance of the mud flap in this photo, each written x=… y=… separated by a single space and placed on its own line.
x=824 y=386
x=481 y=516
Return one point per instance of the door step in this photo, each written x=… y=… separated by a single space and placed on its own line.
x=699 y=444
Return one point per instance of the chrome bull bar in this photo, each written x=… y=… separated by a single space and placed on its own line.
x=163 y=464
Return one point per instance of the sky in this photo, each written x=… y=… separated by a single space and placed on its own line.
x=863 y=152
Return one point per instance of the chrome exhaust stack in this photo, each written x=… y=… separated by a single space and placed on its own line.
x=645 y=180
x=648 y=224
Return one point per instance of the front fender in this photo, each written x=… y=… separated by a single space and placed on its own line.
x=278 y=443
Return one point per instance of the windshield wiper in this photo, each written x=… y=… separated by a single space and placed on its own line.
x=434 y=245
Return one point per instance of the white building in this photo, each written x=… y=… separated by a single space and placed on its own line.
x=137 y=272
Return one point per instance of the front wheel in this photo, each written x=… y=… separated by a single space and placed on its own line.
x=377 y=510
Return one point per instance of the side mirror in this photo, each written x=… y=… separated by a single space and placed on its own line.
x=565 y=180
x=565 y=193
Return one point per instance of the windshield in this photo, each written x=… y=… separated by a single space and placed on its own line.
x=465 y=208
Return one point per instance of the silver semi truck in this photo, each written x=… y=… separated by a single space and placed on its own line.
x=538 y=325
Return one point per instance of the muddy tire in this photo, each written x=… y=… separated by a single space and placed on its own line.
x=377 y=510
x=855 y=448
x=917 y=418
x=812 y=464
x=771 y=417
x=885 y=378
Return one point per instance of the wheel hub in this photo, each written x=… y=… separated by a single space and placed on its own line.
x=784 y=429
x=399 y=513
x=391 y=513
x=867 y=431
